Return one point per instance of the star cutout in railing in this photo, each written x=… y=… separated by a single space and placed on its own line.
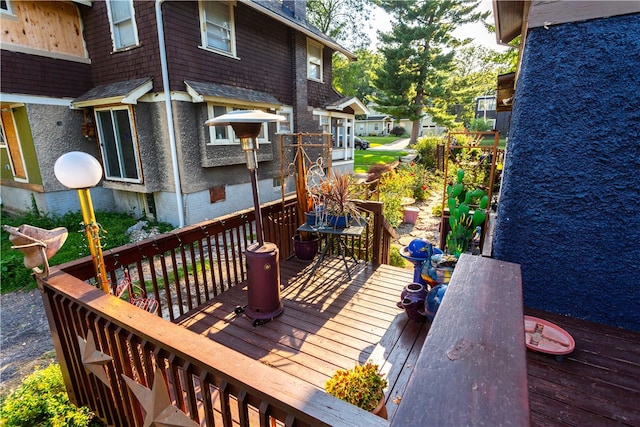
x=157 y=405
x=93 y=359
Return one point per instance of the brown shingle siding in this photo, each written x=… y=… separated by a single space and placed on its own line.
x=43 y=76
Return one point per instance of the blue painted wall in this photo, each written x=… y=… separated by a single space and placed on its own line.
x=570 y=205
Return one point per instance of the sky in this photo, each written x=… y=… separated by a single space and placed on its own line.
x=475 y=31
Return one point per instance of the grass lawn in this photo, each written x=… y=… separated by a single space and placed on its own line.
x=364 y=159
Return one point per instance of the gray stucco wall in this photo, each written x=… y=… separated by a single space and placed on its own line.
x=570 y=205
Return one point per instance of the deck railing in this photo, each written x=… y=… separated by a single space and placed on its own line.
x=185 y=268
x=146 y=366
x=182 y=270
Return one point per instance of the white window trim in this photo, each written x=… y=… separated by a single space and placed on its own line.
x=8 y=12
x=232 y=139
x=321 y=64
x=203 y=32
x=112 y=26
x=288 y=113
x=134 y=138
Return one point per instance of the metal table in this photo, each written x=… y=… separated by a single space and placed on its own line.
x=336 y=235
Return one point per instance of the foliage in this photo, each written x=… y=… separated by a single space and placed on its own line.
x=345 y=21
x=463 y=223
x=419 y=52
x=336 y=194
x=398 y=131
x=42 y=400
x=355 y=78
x=475 y=73
x=479 y=125
x=418 y=179
x=395 y=259
x=427 y=151
x=14 y=275
x=362 y=386
x=393 y=187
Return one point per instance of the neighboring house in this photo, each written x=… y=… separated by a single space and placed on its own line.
x=105 y=61
x=486 y=110
x=570 y=197
x=380 y=124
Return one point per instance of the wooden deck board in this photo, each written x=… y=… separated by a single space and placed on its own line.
x=328 y=323
x=598 y=384
x=331 y=322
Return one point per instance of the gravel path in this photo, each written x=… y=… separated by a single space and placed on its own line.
x=25 y=339
x=25 y=342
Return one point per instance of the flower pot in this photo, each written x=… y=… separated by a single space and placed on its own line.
x=411 y=215
x=412 y=301
x=381 y=409
x=305 y=250
x=340 y=221
x=311 y=219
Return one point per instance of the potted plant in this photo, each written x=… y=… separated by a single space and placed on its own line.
x=336 y=195
x=363 y=386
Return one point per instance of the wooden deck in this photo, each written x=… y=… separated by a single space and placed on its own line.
x=598 y=384
x=331 y=322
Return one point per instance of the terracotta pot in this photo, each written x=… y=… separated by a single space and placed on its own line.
x=381 y=409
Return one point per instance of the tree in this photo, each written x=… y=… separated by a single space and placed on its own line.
x=356 y=78
x=419 y=56
x=343 y=20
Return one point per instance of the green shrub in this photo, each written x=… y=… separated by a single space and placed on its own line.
x=41 y=400
x=426 y=148
x=395 y=258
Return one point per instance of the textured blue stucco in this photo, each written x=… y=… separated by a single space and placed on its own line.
x=570 y=204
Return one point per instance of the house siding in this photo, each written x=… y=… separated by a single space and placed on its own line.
x=137 y=62
x=42 y=76
x=569 y=204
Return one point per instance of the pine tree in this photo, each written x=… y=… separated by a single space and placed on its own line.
x=419 y=57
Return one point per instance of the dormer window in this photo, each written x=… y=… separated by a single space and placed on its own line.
x=314 y=60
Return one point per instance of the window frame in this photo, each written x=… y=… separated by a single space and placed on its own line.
x=286 y=112
x=231 y=138
x=204 y=42
x=113 y=26
x=310 y=63
x=134 y=141
x=8 y=10
x=14 y=157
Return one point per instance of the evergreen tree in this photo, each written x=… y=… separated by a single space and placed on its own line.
x=419 y=56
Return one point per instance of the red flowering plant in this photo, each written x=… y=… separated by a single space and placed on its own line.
x=418 y=179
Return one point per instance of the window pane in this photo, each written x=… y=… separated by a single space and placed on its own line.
x=120 y=10
x=127 y=149
x=218 y=25
x=111 y=164
x=125 y=34
x=221 y=131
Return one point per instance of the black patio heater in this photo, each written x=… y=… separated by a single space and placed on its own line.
x=263 y=260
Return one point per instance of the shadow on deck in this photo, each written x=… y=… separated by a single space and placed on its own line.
x=329 y=323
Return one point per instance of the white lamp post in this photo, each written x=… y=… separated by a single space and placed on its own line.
x=263 y=268
x=82 y=171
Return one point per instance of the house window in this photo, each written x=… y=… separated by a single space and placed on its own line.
x=314 y=60
x=224 y=135
x=285 y=126
x=123 y=24
x=486 y=104
x=216 y=23
x=118 y=144
x=10 y=141
x=5 y=7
